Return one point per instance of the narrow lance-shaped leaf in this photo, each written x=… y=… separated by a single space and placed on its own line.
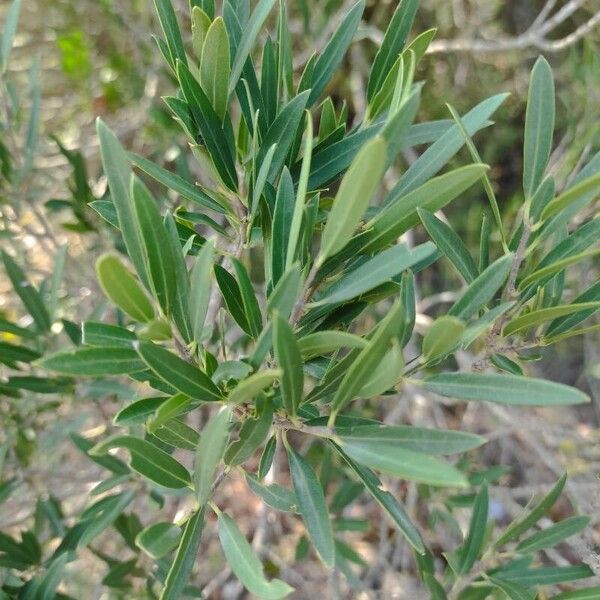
x=158 y=253
x=94 y=362
x=539 y=126
x=392 y=44
x=200 y=288
x=504 y=389
x=168 y=23
x=233 y=297
x=148 y=460
x=290 y=361
x=249 y=301
x=353 y=197
x=482 y=289
x=28 y=294
x=553 y=535
x=473 y=545
x=244 y=563
x=248 y=388
x=442 y=337
x=215 y=66
x=391 y=506
x=183 y=376
x=213 y=440
x=118 y=173
x=312 y=506
x=185 y=557
x=585 y=190
x=158 y=539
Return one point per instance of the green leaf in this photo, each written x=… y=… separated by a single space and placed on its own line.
x=28 y=294
x=249 y=35
x=482 y=289
x=200 y=25
x=353 y=197
x=392 y=45
x=94 y=362
x=398 y=217
x=266 y=459
x=209 y=453
x=504 y=389
x=274 y=495
x=542 y=315
x=585 y=190
x=450 y=244
x=210 y=126
x=553 y=535
x=586 y=594
x=334 y=52
x=118 y=173
x=548 y=575
x=8 y=34
x=177 y=434
x=174 y=182
x=513 y=591
x=138 y=411
x=563 y=324
x=200 y=289
x=442 y=337
x=284 y=295
x=183 y=376
x=385 y=375
x=296 y=221
x=416 y=439
x=366 y=360
x=169 y=409
x=185 y=558
x=375 y=271
x=248 y=388
x=148 y=460
x=472 y=547
x=282 y=223
x=158 y=539
x=102 y=334
x=249 y=301
x=168 y=23
x=391 y=506
x=324 y=342
x=539 y=126
x=158 y=254
x=215 y=66
x=282 y=133
x=244 y=563
x=290 y=361
x=443 y=149
x=403 y=463
x=477 y=328
x=121 y=288
x=252 y=434
x=312 y=506
x=520 y=526
x=233 y=297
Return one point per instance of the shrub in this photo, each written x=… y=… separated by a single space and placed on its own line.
x=274 y=305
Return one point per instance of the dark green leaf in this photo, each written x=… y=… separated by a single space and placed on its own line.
x=94 y=362
x=290 y=361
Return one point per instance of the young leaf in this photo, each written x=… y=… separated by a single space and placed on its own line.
x=353 y=197
x=215 y=66
x=183 y=376
x=28 y=294
x=158 y=539
x=385 y=375
x=118 y=173
x=450 y=244
x=482 y=289
x=504 y=389
x=539 y=126
x=442 y=337
x=244 y=563
x=148 y=460
x=158 y=255
x=121 y=288
x=290 y=361
x=200 y=26
x=324 y=342
x=553 y=535
x=184 y=560
x=209 y=453
x=391 y=506
x=312 y=506
x=169 y=409
x=248 y=388
x=94 y=362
